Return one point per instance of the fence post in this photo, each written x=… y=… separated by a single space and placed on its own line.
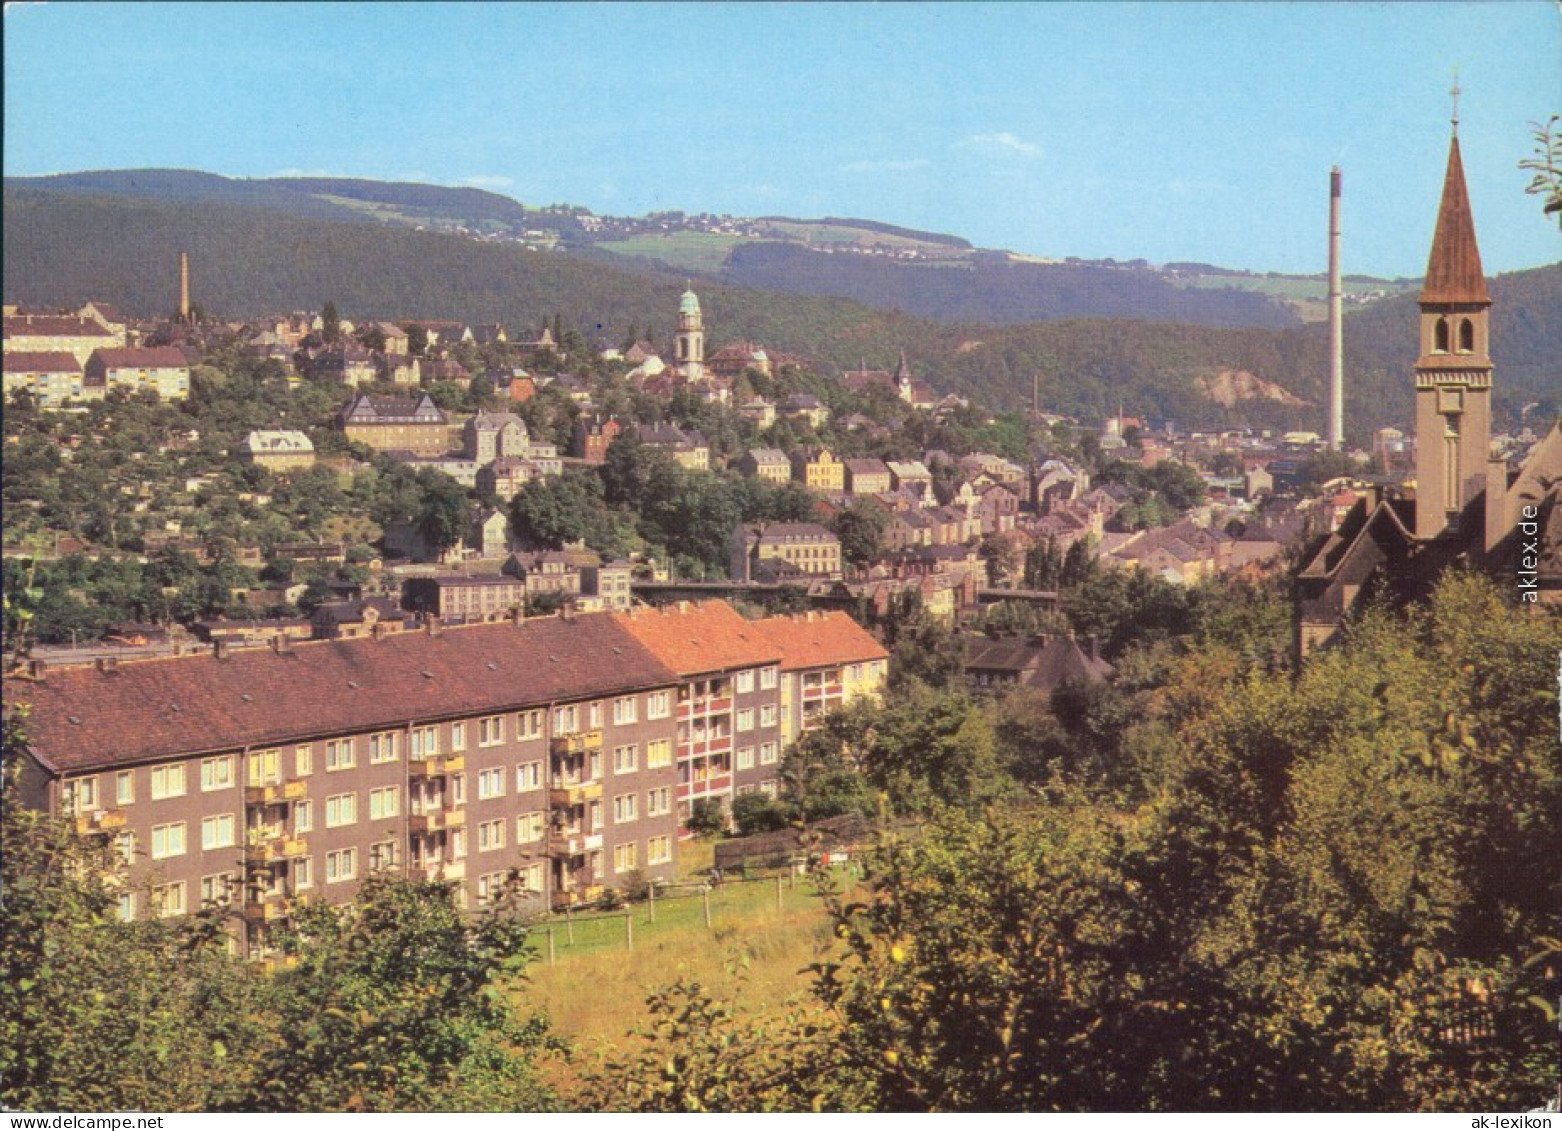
x=778 y=893
x=705 y=896
x=629 y=929
x=569 y=924
x=552 y=958
x=650 y=895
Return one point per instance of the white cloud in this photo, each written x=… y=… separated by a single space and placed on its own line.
x=486 y=181
x=1003 y=144
x=907 y=166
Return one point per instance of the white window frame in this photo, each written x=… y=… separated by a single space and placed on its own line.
x=341 y=810
x=626 y=758
x=658 y=801
x=658 y=705
x=125 y=787
x=490 y=783
x=335 y=872
x=626 y=711
x=490 y=731
x=490 y=835
x=531 y=827
x=745 y=759
x=379 y=810
x=626 y=858
x=303 y=816
x=626 y=808
x=168 y=840
x=168 y=780
x=745 y=720
x=658 y=753
x=528 y=776
x=743 y=681
x=767 y=678
x=219 y=830
x=342 y=754
x=217 y=773
x=769 y=753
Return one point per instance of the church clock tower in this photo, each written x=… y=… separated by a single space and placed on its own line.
x=1454 y=372
x=689 y=341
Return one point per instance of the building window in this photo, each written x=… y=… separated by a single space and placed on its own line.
x=566 y=720
x=457 y=844
x=530 y=827
x=382 y=747
x=490 y=731
x=743 y=682
x=340 y=866
x=217 y=773
x=490 y=835
x=167 y=840
x=127 y=907
x=490 y=783
x=626 y=711
x=458 y=789
x=303 y=816
x=457 y=737
x=745 y=757
x=124 y=787
x=767 y=715
x=304 y=761
x=658 y=705
x=303 y=873
x=265 y=768
x=530 y=880
x=767 y=753
x=625 y=858
x=594 y=716
x=769 y=788
x=658 y=753
x=80 y=796
x=342 y=809
x=490 y=888
x=382 y=856
x=625 y=759
x=217 y=832
x=659 y=850
x=341 y=755
x=125 y=845
x=528 y=724
x=626 y=808
x=746 y=719
x=168 y=900
x=425 y=742
x=767 y=679
x=528 y=776
x=216 y=889
x=658 y=802
x=384 y=803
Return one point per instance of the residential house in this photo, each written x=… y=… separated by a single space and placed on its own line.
x=910 y=475
x=278 y=450
x=866 y=476
x=688 y=449
x=818 y=470
x=403 y=424
x=1044 y=662
x=592 y=436
x=809 y=549
x=806 y=407
x=456 y=598
x=58 y=333
x=769 y=464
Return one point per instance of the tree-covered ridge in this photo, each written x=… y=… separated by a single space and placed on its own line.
x=248 y=262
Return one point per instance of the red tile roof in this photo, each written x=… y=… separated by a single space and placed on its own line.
x=83 y=718
x=41 y=361
x=53 y=326
x=151 y=357
x=817 y=640
x=694 y=639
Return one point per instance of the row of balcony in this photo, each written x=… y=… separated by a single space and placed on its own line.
x=704 y=705
x=274 y=850
x=436 y=820
x=101 y=821
x=436 y=765
x=574 y=897
x=275 y=793
x=700 y=787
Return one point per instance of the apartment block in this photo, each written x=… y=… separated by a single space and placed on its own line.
x=728 y=701
x=536 y=757
x=828 y=661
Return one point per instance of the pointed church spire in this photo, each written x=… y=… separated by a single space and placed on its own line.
x=1453 y=274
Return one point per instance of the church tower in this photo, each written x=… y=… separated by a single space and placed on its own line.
x=689 y=342
x=1454 y=372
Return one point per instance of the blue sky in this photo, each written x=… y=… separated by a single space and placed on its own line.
x=1167 y=130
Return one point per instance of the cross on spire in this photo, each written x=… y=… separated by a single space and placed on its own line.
x=1455 y=92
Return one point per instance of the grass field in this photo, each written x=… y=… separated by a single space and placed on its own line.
x=594 y=989
x=698 y=251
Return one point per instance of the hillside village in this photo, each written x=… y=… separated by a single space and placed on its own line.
x=853 y=490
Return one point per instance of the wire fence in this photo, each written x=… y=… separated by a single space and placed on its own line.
x=676 y=908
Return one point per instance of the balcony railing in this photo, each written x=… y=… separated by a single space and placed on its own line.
x=566 y=845
x=274 y=850
x=436 y=765
x=563 y=797
x=577 y=743
x=276 y=793
x=271 y=911
x=436 y=821
x=101 y=821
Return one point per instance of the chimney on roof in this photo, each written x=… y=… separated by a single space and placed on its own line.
x=434 y=625
x=220 y=648
x=377 y=630
x=107 y=664
x=37 y=668
x=281 y=644
x=1093 y=646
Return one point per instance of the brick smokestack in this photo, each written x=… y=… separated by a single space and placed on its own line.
x=1336 y=321
x=184 y=286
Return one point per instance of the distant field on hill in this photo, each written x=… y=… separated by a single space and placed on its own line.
x=696 y=251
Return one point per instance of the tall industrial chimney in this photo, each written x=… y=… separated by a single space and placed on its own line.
x=184 y=286
x=1336 y=321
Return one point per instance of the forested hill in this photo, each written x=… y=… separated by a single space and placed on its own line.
x=63 y=248
x=992 y=287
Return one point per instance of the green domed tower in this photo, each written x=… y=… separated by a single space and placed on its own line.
x=690 y=339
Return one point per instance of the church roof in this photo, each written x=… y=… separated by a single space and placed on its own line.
x=1453 y=274
x=689 y=303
